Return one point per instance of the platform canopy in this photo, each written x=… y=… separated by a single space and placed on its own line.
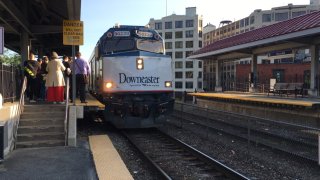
x=41 y=19
x=298 y=32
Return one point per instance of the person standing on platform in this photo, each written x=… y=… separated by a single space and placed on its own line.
x=82 y=71
x=67 y=73
x=31 y=67
x=39 y=79
x=43 y=73
x=55 y=81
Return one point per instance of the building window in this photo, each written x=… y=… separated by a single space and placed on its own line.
x=265 y=61
x=200 y=33
x=266 y=17
x=252 y=20
x=189 y=85
x=281 y=16
x=237 y=24
x=188 y=53
x=246 y=22
x=178 y=85
x=200 y=74
x=178 y=44
x=189 y=64
x=189 y=23
x=200 y=23
x=242 y=23
x=168 y=35
x=299 y=13
x=287 y=60
x=178 y=75
x=168 y=25
x=168 y=45
x=169 y=54
x=189 y=74
x=179 y=34
x=199 y=64
x=178 y=55
x=178 y=24
x=200 y=44
x=178 y=64
x=189 y=34
x=158 y=25
x=278 y=74
x=199 y=85
x=306 y=78
x=189 y=44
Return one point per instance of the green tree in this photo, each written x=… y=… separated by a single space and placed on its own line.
x=10 y=58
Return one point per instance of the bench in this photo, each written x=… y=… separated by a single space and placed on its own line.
x=287 y=88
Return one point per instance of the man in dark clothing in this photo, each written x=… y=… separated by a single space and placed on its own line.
x=67 y=73
x=43 y=73
x=31 y=67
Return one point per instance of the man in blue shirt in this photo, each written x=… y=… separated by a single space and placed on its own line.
x=82 y=71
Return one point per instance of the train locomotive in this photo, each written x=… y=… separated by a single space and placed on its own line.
x=132 y=76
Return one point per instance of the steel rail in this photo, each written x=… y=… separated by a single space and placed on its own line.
x=155 y=165
x=279 y=149
x=216 y=165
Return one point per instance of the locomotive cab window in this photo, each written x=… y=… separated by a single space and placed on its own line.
x=118 y=45
x=150 y=45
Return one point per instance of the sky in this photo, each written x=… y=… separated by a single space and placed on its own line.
x=100 y=15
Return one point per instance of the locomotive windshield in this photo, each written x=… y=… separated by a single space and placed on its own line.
x=118 y=45
x=131 y=38
x=150 y=45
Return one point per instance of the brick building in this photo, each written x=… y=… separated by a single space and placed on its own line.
x=281 y=72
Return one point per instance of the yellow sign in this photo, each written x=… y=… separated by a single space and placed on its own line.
x=72 y=32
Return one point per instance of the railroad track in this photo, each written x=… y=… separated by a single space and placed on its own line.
x=300 y=148
x=176 y=160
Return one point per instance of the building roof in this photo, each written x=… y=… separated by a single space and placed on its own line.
x=247 y=39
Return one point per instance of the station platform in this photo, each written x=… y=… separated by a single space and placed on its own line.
x=295 y=110
x=261 y=99
x=96 y=159
x=92 y=102
x=63 y=163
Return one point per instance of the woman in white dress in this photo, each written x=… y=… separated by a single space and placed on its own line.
x=55 y=81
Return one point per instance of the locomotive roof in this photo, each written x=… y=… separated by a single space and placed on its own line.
x=128 y=28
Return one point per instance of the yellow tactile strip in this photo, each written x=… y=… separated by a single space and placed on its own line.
x=91 y=101
x=254 y=98
x=108 y=162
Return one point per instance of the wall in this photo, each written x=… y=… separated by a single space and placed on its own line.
x=292 y=72
x=8 y=116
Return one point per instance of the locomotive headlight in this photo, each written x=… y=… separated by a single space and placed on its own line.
x=109 y=85
x=168 y=84
x=139 y=63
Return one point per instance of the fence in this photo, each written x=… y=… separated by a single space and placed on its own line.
x=9 y=82
x=263 y=84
